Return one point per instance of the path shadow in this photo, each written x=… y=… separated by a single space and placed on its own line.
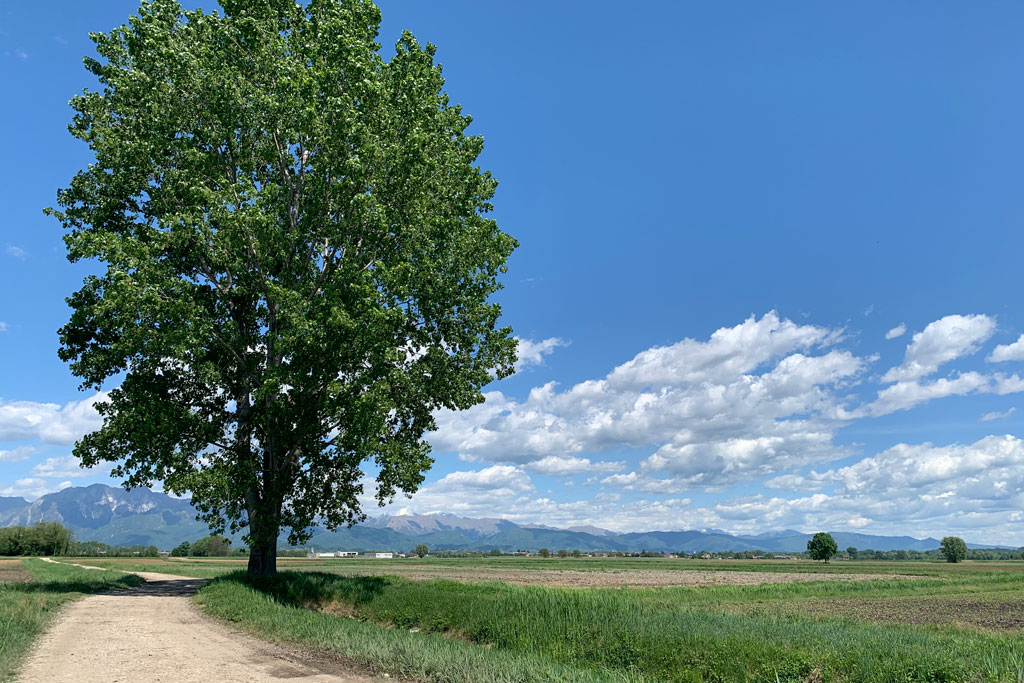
x=166 y=588
x=312 y=589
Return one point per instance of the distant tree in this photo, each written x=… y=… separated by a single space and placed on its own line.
x=295 y=262
x=953 y=548
x=495 y=552
x=183 y=549
x=211 y=546
x=852 y=552
x=822 y=547
x=576 y=553
x=562 y=553
x=421 y=550
x=544 y=552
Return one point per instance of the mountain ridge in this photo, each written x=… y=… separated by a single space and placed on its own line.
x=144 y=517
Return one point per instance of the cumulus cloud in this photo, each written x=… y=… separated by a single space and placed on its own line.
x=995 y=415
x=1008 y=352
x=33 y=487
x=17 y=454
x=49 y=422
x=532 y=352
x=66 y=467
x=940 y=342
x=569 y=466
x=906 y=395
x=897 y=331
x=752 y=398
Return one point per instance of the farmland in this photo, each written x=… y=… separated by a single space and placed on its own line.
x=607 y=619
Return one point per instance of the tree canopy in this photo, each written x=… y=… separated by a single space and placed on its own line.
x=298 y=262
x=953 y=548
x=822 y=547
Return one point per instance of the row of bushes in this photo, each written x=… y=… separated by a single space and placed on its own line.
x=45 y=538
x=55 y=539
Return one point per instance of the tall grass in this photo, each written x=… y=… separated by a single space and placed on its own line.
x=656 y=635
x=27 y=608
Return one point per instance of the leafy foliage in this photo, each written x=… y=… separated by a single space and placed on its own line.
x=211 y=546
x=822 y=547
x=298 y=262
x=421 y=550
x=953 y=548
x=44 y=538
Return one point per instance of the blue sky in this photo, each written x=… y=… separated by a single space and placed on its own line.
x=723 y=210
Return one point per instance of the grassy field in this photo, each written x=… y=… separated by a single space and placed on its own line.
x=31 y=593
x=913 y=621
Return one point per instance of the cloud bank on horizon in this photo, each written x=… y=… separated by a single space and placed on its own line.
x=745 y=430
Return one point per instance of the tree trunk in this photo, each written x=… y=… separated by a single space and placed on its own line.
x=263 y=556
x=264 y=526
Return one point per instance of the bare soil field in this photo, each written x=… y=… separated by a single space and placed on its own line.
x=597 y=579
x=12 y=571
x=992 y=612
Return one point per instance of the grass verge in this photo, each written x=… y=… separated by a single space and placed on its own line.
x=455 y=632
x=27 y=607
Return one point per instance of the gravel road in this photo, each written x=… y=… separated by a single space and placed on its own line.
x=153 y=633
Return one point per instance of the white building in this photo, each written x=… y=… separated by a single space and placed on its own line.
x=379 y=556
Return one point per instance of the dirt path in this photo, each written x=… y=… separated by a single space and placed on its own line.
x=153 y=633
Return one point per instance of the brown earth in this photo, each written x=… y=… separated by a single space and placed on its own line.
x=1002 y=613
x=599 y=579
x=153 y=633
x=13 y=571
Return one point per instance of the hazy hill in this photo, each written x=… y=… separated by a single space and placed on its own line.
x=143 y=517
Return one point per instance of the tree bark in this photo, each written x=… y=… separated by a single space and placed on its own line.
x=263 y=557
x=264 y=527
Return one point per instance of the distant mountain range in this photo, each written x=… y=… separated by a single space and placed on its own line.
x=143 y=517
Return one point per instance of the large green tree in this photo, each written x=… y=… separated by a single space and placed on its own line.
x=298 y=262
x=953 y=548
x=822 y=547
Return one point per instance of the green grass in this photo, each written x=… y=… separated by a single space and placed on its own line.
x=26 y=608
x=448 y=631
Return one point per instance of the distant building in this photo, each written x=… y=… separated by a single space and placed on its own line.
x=379 y=556
x=347 y=553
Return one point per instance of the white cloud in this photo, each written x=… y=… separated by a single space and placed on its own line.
x=906 y=395
x=4 y=327
x=532 y=353
x=995 y=415
x=897 y=331
x=17 y=252
x=17 y=454
x=942 y=341
x=66 y=467
x=33 y=487
x=751 y=399
x=569 y=466
x=49 y=422
x=1008 y=352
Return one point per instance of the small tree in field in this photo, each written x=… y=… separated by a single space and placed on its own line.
x=822 y=547
x=183 y=549
x=421 y=550
x=544 y=552
x=296 y=266
x=953 y=548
